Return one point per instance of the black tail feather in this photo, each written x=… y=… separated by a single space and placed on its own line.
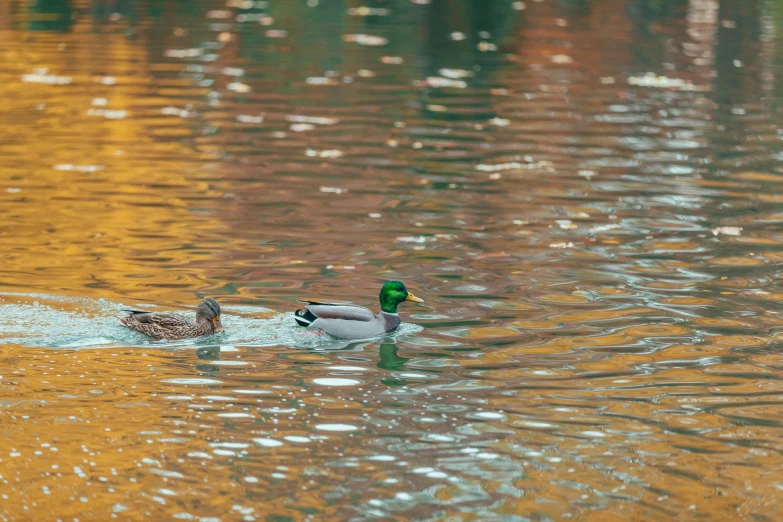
x=138 y=316
x=305 y=318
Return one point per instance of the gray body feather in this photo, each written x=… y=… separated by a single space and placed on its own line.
x=350 y=322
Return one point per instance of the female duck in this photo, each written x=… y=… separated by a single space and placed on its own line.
x=355 y=322
x=169 y=325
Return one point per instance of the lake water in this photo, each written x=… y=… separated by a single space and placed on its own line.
x=587 y=194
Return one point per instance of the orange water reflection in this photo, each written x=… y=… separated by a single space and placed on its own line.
x=585 y=194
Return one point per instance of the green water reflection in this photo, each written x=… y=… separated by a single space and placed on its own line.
x=586 y=194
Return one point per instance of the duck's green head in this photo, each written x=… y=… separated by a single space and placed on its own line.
x=392 y=294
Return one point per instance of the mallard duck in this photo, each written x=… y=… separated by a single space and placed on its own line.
x=170 y=325
x=355 y=322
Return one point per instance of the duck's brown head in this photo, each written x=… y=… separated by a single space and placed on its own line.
x=209 y=311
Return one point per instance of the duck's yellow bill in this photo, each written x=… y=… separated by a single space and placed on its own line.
x=413 y=298
x=218 y=324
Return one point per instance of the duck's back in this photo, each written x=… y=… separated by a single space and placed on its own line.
x=164 y=325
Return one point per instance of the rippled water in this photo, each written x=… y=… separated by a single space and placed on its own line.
x=586 y=194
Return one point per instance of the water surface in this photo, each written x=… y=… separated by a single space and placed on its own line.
x=586 y=194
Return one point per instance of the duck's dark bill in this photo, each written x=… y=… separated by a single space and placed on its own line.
x=413 y=298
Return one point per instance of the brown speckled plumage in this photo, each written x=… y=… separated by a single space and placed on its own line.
x=170 y=325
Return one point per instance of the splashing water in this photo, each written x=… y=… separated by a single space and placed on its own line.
x=53 y=321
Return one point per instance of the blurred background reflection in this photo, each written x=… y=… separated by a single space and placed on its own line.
x=585 y=193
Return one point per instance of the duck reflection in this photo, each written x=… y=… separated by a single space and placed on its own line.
x=208 y=353
x=391 y=361
x=389 y=358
